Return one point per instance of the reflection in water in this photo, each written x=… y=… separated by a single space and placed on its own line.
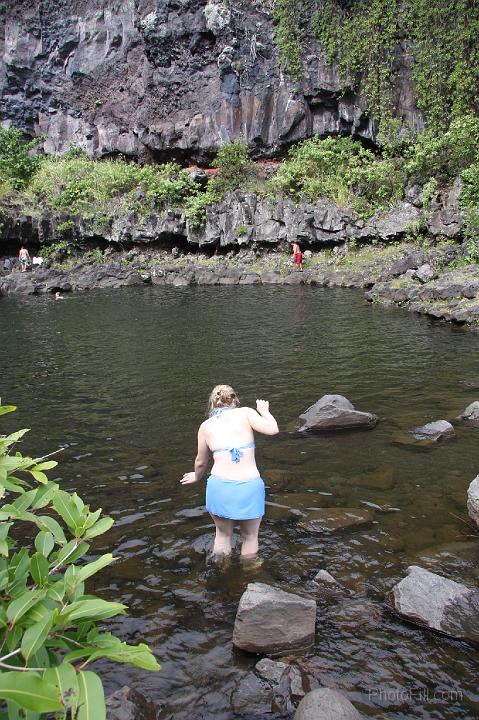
x=120 y=380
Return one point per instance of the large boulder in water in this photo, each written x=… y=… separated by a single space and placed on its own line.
x=473 y=500
x=269 y=620
x=434 y=431
x=335 y=412
x=438 y=603
x=471 y=413
x=326 y=704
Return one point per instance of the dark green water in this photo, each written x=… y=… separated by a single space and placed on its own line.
x=120 y=379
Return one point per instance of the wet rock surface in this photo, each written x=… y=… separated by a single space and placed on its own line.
x=438 y=603
x=473 y=501
x=335 y=412
x=326 y=704
x=330 y=520
x=471 y=413
x=129 y=704
x=435 y=431
x=269 y=620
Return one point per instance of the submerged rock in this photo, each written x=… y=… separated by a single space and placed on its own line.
x=471 y=413
x=253 y=696
x=473 y=500
x=269 y=620
x=438 y=603
x=329 y=520
x=434 y=431
x=129 y=704
x=380 y=479
x=326 y=704
x=335 y=412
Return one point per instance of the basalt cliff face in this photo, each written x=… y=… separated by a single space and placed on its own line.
x=170 y=79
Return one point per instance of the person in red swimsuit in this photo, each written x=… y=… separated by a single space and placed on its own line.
x=298 y=256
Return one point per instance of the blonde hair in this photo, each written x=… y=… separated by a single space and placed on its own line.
x=222 y=395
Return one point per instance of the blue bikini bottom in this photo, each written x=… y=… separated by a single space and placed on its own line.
x=235 y=499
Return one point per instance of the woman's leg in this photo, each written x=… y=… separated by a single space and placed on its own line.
x=249 y=532
x=224 y=531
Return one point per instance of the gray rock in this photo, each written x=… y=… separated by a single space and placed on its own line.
x=473 y=500
x=329 y=520
x=269 y=620
x=434 y=431
x=335 y=412
x=471 y=413
x=129 y=704
x=425 y=273
x=437 y=603
x=270 y=670
x=446 y=218
x=325 y=577
x=326 y=704
x=253 y=696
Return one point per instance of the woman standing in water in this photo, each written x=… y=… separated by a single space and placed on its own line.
x=235 y=490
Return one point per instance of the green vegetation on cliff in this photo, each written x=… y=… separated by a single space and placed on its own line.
x=75 y=189
x=438 y=40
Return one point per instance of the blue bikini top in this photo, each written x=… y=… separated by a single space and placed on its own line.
x=236 y=452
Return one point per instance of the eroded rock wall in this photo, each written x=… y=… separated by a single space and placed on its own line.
x=162 y=79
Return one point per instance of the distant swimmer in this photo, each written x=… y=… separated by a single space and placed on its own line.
x=58 y=296
x=234 y=491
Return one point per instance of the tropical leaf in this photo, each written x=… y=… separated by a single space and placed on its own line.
x=18 y=607
x=88 y=570
x=99 y=528
x=29 y=691
x=44 y=495
x=47 y=465
x=44 y=542
x=45 y=522
x=14 y=437
x=4 y=409
x=35 y=636
x=66 y=508
x=91 y=704
x=39 y=569
x=64 y=677
x=92 y=609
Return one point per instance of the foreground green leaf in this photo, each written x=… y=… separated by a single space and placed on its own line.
x=29 y=691
x=92 y=697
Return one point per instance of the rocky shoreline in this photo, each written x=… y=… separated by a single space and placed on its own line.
x=436 y=281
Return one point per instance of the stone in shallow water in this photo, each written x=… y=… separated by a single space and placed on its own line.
x=129 y=704
x=457 y=558
x=270 y=620
x=335 y=412
x=434 y=431
x=253 y=696
x=438 y=603
x=326 y=704
x=471 y=413
x=473 y=500
x=330 y=520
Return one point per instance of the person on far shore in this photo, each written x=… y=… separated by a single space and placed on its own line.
x=297 y=256
x=234 y=491
x=24 y=257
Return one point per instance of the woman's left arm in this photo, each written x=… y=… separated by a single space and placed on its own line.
x=201 y=461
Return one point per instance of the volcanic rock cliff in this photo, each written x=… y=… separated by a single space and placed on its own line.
x=169 y=79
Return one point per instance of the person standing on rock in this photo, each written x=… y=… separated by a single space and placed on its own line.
x=234 y=490
x=298 y=256
x=24 y=257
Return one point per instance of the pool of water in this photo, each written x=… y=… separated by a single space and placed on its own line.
x=120 y=381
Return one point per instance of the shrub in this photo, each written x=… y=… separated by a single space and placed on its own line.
x=48 y=250
x=84 y=186
x=50 y=627
x=444 y=155
x=341 y=170
x=16 y=164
